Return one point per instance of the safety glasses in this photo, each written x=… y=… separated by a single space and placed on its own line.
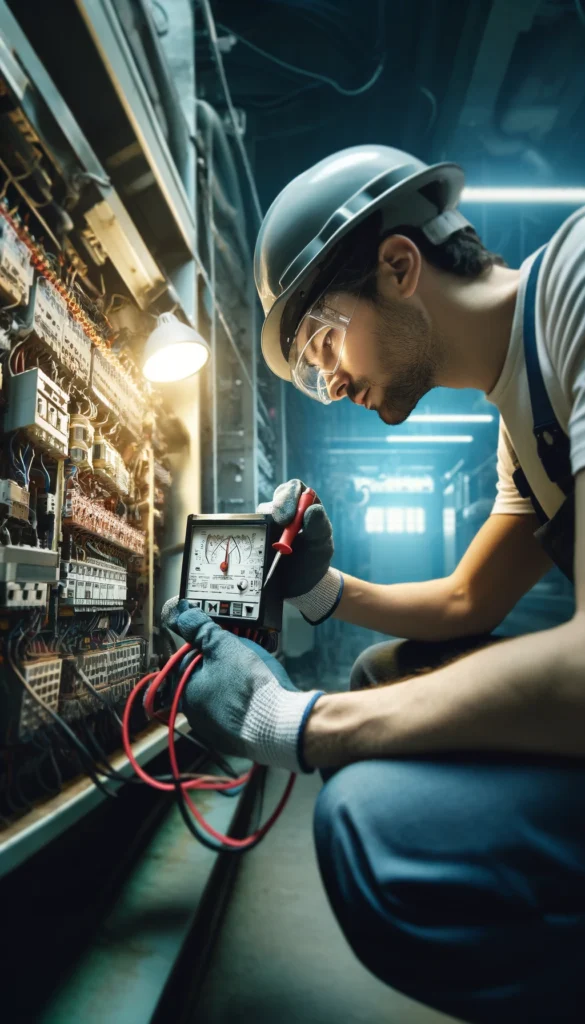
x=317 y=349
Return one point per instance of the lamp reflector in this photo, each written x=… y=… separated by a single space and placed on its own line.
x=174 y=351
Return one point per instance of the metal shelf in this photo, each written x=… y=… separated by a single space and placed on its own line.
x=49 y=819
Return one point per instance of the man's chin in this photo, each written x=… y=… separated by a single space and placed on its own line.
x=391 y=417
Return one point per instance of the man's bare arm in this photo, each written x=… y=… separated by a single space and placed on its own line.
x=526 y=694
x=502 y=562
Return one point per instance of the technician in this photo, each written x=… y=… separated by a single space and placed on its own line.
x=450 y=831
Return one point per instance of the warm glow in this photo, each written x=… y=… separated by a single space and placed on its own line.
x=176 y=362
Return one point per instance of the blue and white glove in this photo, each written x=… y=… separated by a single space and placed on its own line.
x=306 y=578
x=240 y=700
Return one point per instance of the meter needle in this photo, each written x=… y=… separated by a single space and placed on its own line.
x=224 y=566
x=284 y=545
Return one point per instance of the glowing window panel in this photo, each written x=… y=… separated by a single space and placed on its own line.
x=395 y=519
x=375 y=520
x=449 y=522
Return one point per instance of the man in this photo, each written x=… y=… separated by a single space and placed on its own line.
x=451 y=829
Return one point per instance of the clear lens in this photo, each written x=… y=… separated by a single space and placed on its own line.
x=317 y=349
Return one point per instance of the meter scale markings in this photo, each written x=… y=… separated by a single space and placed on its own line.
x=226 y=571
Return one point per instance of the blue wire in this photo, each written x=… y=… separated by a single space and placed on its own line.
x=28 y=468
x=232 y=792
x=23 y=463
x=18 y=473
x=46 y=472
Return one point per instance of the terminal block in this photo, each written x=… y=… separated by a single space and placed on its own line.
x=40 y=408
x=93 y=584
x=14 y=500
x=16 y=269
x=114 y=387
x=21 y=716
x=76 y=350
x=112 y=671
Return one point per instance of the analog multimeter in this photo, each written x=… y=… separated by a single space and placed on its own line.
x=225 y=563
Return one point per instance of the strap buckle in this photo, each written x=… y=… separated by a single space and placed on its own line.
x=553 y=451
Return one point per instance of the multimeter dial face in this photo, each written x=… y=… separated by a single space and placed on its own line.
x=226 y=569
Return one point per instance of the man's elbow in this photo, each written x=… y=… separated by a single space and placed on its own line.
x=476 y=613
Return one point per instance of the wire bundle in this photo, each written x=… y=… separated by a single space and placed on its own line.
x=193 y=818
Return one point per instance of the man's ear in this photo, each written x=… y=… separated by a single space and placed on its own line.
x=399 y=264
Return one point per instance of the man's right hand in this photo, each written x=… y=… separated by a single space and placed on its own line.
x=305 y=577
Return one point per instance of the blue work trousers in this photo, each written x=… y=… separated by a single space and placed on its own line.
x=460 y=880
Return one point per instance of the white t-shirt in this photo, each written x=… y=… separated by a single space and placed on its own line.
x=560 y=339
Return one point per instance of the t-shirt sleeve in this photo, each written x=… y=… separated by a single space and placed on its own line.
x=508 y=500
x=562 y=309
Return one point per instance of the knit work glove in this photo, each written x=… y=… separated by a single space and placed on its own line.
x=305 y=577
x=239 y=699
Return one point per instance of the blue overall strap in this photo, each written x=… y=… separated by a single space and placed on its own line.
x=551 y=441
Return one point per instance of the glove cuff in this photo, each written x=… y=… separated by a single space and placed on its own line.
x=320 y=602
x=274 y=724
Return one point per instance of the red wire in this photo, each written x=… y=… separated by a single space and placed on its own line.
x=203 y=783
x=167 y=787
x=161 y=676
x=237 y=843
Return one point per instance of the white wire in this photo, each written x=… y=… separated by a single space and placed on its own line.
x=219 y=61
x=303 y=71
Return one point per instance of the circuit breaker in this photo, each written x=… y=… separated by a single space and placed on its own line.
x=39 y=407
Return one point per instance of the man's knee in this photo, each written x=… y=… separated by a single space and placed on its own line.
x=377 y=664
x=443 y=870
x=394 y=660
x=348 y=854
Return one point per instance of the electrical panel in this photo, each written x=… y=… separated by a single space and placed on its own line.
x=83 y=481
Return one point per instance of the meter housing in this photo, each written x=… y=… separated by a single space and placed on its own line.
x=225 y=563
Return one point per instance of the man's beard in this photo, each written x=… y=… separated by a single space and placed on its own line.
x=408 y=360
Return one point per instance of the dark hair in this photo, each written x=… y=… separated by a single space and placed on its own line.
x=463 y=254
x=353 y=263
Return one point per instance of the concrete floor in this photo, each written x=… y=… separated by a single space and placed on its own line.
x=281 y=957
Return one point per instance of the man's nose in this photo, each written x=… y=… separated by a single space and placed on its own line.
x=337 y=386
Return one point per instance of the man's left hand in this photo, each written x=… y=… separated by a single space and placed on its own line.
x=239 y=699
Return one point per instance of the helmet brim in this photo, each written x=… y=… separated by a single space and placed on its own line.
x=449 y=173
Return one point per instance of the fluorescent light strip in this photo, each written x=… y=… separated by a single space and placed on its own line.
x=451 y=418
x=430 y=439
x=572 y=196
